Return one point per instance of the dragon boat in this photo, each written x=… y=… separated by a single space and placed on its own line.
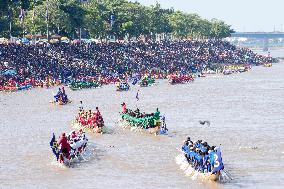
x=60 y=102
x=149 y=123
x=230 y=69
x=175 y=79
x=189 y=170
x=69 y=148
x=16 y=87
x=146 y=82
x=107 y=81
x=267 y=65
x=199 y=161
x=24 y=87
x=77 y=85
x=90 y=122
x=122 y=86
x=61 y=98
x=9 y=88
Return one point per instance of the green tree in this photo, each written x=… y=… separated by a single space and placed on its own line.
x=219 y=29
x=96 y=19
x=180 y=24
x=159 y=20
x=67 y=17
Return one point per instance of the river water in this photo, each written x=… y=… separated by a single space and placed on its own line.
x=245 y=111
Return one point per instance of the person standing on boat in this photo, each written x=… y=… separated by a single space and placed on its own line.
x=58 y=95
x=164 y=128
x=157 y=114
x=189 y=140
x=81 y=108
x=63 y=91
x=98 y=113
x=64 y=96
x=124 y=109
x=64 y=146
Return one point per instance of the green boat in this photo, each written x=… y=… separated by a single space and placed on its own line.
x=146 y=82
x=77 y=85
x=137 y=122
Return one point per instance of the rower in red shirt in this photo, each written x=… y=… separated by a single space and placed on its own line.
x=64 y=146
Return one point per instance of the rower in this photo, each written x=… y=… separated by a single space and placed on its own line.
x=98 y=113
x=189 y=140
x=64 y=146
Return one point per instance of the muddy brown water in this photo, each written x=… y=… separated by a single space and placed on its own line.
x=245 y=111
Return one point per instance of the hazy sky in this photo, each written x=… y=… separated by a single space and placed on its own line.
x=242 y=15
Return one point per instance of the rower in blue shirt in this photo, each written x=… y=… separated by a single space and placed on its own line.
x=185 y=148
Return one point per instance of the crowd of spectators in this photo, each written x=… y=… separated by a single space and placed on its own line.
x=66 y=62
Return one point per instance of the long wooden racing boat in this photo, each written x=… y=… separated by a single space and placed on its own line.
x=89 y=129
x=60 y=103
x=149 y=123
x=182 y=161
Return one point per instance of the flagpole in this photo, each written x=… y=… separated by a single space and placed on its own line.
x=23 y=21
x=47 y=21
x=80 y=34
x=10 y=29
x=34 y=22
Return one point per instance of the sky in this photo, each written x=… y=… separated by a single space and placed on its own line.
x=242 y=15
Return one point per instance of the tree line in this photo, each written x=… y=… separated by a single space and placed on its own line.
x=103 y=18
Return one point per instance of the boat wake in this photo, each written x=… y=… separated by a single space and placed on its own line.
x=248 y=147
x=136 y=129
x=88 y=155
x=224 y=176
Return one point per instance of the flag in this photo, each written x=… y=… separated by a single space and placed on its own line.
x=54 y=146
x=218 y=164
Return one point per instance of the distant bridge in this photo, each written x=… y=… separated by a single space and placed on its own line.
x=259 y=35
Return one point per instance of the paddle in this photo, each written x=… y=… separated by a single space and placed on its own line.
x=228 y=174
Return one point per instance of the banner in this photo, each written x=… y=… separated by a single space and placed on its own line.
x=54 y=146
x=218 y=164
